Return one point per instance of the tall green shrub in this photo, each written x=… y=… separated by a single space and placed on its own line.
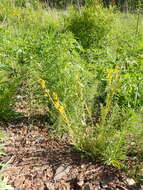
x=90 y=25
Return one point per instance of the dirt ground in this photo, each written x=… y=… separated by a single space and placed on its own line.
x=37 y=160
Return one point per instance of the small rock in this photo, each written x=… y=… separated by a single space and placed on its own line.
x=60 y=169
x=130 y=181
x=83 y=166
x=61 y=172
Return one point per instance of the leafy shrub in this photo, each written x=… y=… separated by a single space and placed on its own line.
x=118 y=128
x=61 y=69
x=91 y=25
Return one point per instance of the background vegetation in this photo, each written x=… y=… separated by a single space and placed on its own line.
x=83 y=69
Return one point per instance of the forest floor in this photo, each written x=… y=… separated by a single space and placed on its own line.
x=37 y=160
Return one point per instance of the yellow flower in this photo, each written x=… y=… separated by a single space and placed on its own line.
x=55 y=96
x=55 y=100
x=42 y=83
x=57 y=105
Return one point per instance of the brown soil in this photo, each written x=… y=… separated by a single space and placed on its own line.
x=38 y=161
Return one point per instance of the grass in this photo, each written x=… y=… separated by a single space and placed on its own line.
x=90 y=63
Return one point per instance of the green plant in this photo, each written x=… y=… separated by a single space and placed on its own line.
x=90 y=25
x=90 y=61
x=110 y=139
x=8 y=85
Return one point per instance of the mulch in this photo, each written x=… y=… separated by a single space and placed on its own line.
x=37 y=160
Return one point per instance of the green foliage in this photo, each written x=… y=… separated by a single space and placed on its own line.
x=8 y=85
x=115 y=106
x=90 y=61
x=111 y=138
x=91 y=25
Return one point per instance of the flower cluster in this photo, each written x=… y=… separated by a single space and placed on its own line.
x=55 y=100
